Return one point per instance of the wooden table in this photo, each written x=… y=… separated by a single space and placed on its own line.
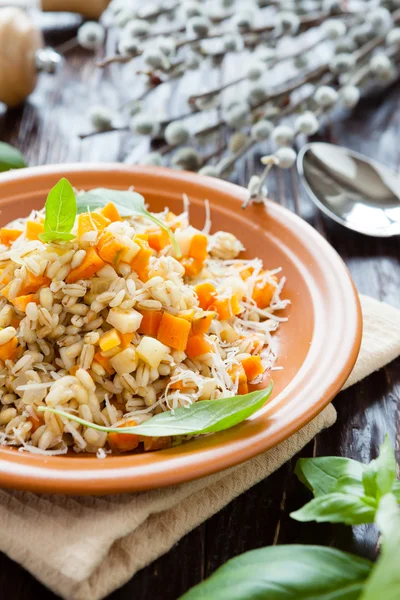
x=46 y=129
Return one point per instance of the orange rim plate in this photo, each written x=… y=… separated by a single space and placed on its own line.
x=318 y=346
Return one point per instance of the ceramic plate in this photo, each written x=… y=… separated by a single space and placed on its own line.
x=318 y=346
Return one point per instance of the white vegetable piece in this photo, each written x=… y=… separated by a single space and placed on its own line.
x=151 y=351
x=124 y=321
x=209 y=387
x=125 y=361
x=184 y=238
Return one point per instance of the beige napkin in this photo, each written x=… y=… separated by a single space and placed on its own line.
x=83 y=548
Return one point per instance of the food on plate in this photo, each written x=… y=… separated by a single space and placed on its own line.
x=124 y=330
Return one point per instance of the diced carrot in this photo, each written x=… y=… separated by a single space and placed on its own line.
x=33 y=283
x=253 y=367
x=141 y=261
x=172 y=220
x=104 y=362
x=177 y=385
x=262 y=294
x=6 y=290
x=15 y=321
x=226 y=307
x=156 y=443
x=246 y=273
x=8 y=351
x=150 y=322
x=21 y=302
x=91 y=222
x=238 y=373
x=173 y=331
x=126 y=339
x=123 y=442
x=6 y=276
x=197 y=345
x=73 y=370
x=90 y=265
x=198 y=247
x=33 y=229
x=36 y=420
x=192 y=266
x=158 y=239
x=110 y=247
x=8 y=236
x=141 y=236
x=202 y=322
x=205 y=293
x=111 y=339
x=111 y=213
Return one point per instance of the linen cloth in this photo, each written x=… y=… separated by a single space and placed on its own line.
x=83 y=548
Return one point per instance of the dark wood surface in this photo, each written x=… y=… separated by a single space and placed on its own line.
x=46 y=130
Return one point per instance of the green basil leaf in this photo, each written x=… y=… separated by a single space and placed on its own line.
x=350 y=485
x=337 y=508
x=50 y=236
x=206 y=416
x=321 y=475
x=396 y=490
x=286 y=573
x=128 y=203
x=60 y=212
x=384 y=581
x=10 y=158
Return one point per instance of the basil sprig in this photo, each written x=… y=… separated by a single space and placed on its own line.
x=385 y=579
x=10 y=158
x=286 y=573
x=346 y=491
x=128 y=203
x=206 y=416
x=60 y=213
x=295 y=572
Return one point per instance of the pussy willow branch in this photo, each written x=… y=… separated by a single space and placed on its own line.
x=285 y=112
x=306 y=22
x=272 y=63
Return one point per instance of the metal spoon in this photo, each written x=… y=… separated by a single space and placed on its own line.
x=355 y=191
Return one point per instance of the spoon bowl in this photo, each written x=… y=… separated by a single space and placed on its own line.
x=355 y=191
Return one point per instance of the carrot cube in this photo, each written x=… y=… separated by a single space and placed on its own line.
x=150 y=322
x=253 y=367
x=90 y=265
x=123 y=442
x=226 y=307
x=173 y=331
x=91 y=222
x=198 y=247
x=111 y=213
x=33 y=230
x=197 y=345
x=205 y=293
x=8 y=236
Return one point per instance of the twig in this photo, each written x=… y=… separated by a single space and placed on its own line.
x=83 y=136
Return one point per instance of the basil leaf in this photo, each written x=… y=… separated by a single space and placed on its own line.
x=350 y=485
x=10 y=158
x=286 y=573
x=60 y=212
x=384 y=581
x=320 y=475
x=128 y=203
x=206 y=416
x=337 y=507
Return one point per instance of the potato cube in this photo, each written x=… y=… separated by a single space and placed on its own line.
x=124 y=321
x=125 y=361
x=151 y=351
